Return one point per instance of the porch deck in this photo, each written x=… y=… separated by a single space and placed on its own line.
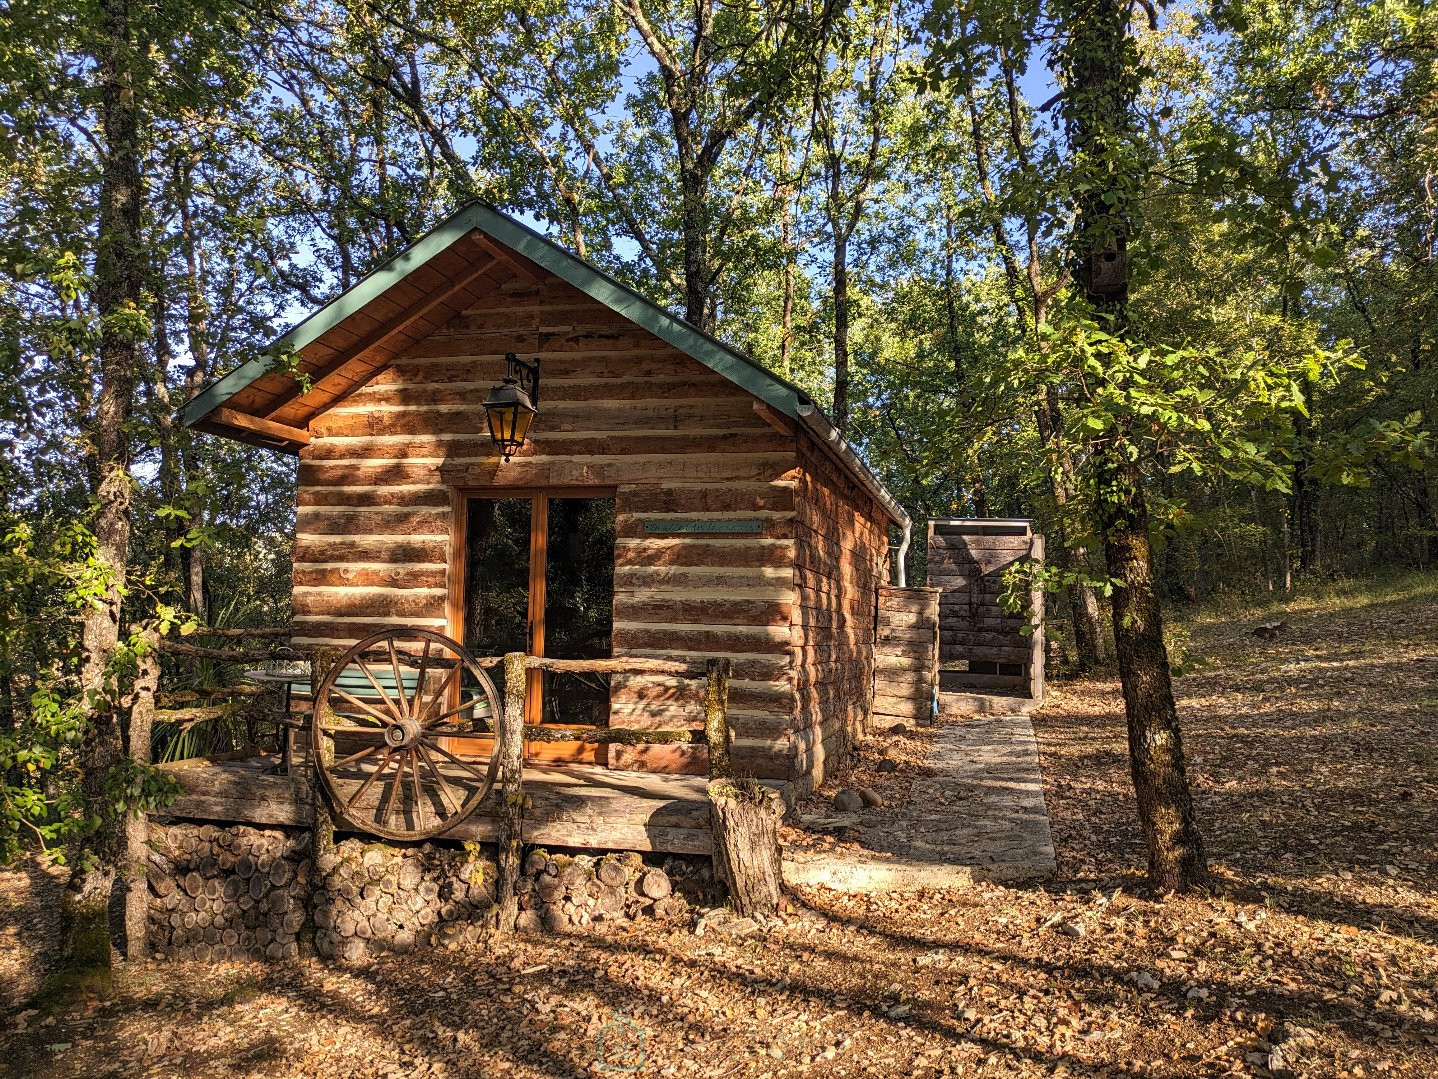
x=573 y=805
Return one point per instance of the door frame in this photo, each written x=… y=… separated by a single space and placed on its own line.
x=539 y=497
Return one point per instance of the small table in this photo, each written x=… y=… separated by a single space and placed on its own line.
x=289 y=679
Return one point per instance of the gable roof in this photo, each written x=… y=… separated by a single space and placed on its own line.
x=339 y=345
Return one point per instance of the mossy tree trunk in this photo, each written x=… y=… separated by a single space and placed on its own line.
x=120 y=275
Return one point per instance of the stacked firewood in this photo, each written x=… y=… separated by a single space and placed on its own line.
x=372 y=898
x=227 y=893
x=238 y=892
x=562 y=893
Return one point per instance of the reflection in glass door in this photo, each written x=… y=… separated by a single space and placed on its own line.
x=539 y=578
x=578 y=607
x=496 y=571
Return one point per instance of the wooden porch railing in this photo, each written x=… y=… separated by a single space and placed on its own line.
x=744 y=814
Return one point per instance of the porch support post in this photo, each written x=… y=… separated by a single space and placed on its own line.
x=743 y=813
x=511 y=784
x=322 y=833
x=716 y=718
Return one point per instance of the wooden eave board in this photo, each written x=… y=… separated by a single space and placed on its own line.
x=272 y=396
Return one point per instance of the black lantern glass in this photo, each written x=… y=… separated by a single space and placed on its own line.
x=512 y=405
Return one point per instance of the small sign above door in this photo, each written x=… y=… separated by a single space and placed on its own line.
x=677 y=527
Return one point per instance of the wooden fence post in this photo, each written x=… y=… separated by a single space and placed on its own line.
x=744 y=814
x=137 y=825
x=510 y=748
x=716 y=718
x=322 y=831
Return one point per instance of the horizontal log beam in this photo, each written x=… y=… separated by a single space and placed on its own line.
x=191 y=716
x=618 y=665
x=385 y=333
x=242 y=631
x=195 y=651
x=187 y=696
x=612 y=736
x=269 y=429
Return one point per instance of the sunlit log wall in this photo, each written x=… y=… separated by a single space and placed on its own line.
x=906 y=656
x=840 y=561
x=791 y=603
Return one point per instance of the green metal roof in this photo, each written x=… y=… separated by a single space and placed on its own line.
x=589 y=279
x=768 y=387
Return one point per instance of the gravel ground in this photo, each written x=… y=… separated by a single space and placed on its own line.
x=1315 y=954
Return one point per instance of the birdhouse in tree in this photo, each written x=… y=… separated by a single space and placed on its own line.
x=1108 y=272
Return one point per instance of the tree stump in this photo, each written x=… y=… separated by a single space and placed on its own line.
x=744 y=816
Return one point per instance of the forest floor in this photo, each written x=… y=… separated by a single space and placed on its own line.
x=1315 y=770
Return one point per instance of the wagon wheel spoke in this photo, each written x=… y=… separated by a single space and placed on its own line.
x=369 y=782
x=384 y=694
x=398 y=680
x=437 y=720
x=419 y=680
x=418 y=788
x=461 y=762
x=384 y=719
x=355 y=758
x=394 y=788
x=441 y=783
x=437 y=697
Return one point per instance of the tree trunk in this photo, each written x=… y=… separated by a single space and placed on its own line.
x=699 y=306
x=1101 y=76
x=841 y=332
x=1156 y=760
x=744 y=816
x=120 y=274
x=1304 y=513
x=1428 y=522
x=197 y=335
x=510 y=834
x=786 y=313
x=137 y=825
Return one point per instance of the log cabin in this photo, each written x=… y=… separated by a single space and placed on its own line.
x=671 y=498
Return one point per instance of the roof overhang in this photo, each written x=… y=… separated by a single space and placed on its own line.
x=487 y=240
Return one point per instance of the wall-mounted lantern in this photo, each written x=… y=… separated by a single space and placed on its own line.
x=512 y=404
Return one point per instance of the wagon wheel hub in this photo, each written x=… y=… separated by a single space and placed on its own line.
x=403 y=734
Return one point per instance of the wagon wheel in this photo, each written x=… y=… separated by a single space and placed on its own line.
x=405 y=734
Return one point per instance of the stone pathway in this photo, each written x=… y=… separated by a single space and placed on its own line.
x=982 y=817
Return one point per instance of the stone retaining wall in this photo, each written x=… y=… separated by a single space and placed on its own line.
x=237 y=892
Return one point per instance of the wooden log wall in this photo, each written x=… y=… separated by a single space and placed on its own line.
x=621 y=412
x=906 y=656
x=840 y=561
x=981 y=645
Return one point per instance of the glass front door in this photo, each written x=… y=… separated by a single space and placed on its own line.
x=539 y=578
